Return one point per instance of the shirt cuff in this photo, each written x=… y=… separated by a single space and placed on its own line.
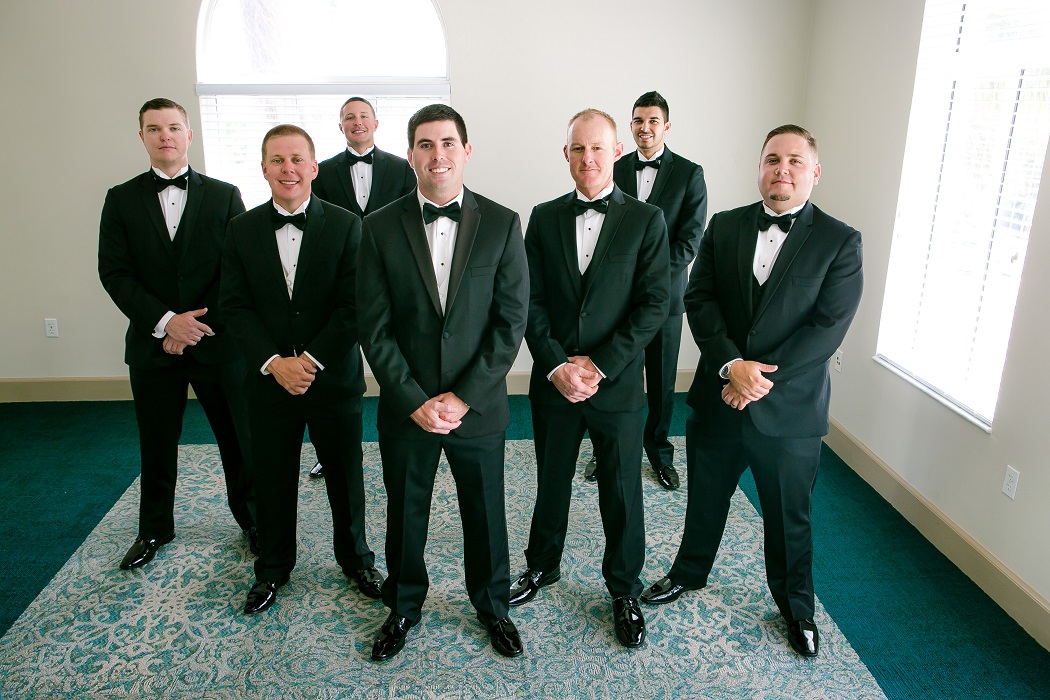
x=551 y=373
x=267 y=364
x=314 y=360
x=724 y=372
x=158 y=330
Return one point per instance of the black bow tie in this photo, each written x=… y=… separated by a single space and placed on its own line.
x=355 y=159
x=642 y=164
x=449 y=211
x=783 y=221
x=297 y=220
x=599 y=205
x=177 y=181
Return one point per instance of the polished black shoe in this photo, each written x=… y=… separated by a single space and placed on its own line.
x=317 y=472
x=143 y=551
x=503 y=635
x=391 y=637
x=589 y=470
x=252 y=534
x=629 y=623
x=530 y=582
x=369 y=582
x=668 y=477
x=262 y=595
x=803 y=636
x=665 y=591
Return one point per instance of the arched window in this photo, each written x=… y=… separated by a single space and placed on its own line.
x=267 y=62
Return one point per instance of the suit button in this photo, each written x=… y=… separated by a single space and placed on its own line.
x=446 y=335
x=584 y=314
x=753 y=332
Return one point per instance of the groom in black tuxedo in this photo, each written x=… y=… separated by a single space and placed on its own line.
x=655 y=175
x=599 y=275
x=159 y=252
x=773 y=292
x=288 y=269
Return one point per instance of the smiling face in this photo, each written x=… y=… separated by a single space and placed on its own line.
x=167 y=138
x=438 y=157
x=358 y=124
x=648 y=128
x=290 y=168
x=591 y=150
x=787 y=172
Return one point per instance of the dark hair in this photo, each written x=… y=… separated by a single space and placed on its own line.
x=591 y=112
x=357 y=99
x=436 y=113
x=287 y=130
x=792 y=129
x=652 y=99
x=162 y=103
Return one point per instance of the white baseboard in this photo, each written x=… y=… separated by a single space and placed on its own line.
x=1017 y=598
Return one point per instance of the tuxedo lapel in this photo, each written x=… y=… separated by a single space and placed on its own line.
x=747 y=240
x=312 y=239
x=412 y=221
x=663 y=174
x=567 y=233
x=630 y=180
x=268 y=246
x=613 y=219
x=343 y=169
x=194 y=197
x=156 y=216
x=379 y=172
x=800 y=232
x=465 y=235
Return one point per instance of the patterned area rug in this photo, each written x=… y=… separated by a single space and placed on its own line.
x=175 y=628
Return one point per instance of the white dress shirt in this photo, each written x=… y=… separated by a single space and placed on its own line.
x=588 y=227
x=361 y=176
x=646 y=177
x=172 y=204
x=441 y=238
x=770 y=241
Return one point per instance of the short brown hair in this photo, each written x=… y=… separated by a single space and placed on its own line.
x=792 y=129
x=163 y=103
x=287 y=130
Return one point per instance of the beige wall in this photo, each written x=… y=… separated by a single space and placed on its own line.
x=75 y=73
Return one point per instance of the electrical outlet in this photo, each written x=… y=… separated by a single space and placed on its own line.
x=1010 y=481
x=51 y=327
x=838 y=360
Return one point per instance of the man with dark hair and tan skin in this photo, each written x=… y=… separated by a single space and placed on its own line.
x=289 y=271
x=773 y=292
x=159 y=255
x=599 y=276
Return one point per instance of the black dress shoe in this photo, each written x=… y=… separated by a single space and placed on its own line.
x=391 y=637
x=262 y=595
x=629 y=623
x=665 y=591
x=143 y=551
x=530 y=582
x=589 y=471
x=369 y=582
x=668 y=477
x=317 y=472
x=252 y=534
x=503 y=635
x=803 y=636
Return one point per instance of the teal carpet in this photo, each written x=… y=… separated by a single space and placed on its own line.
x=921 y=627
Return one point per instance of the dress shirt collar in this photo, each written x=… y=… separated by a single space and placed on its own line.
x=789 y=211
x=643 y=159
x=160 y=173
x=281 y=210
x=604 y=193
x=423 y=200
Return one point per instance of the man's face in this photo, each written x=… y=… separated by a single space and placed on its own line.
x=591 y=150
x=358 y=124
x=290 y=169
x=439 y=157
x=648 y=128
x=166 y=137
x=787 y=172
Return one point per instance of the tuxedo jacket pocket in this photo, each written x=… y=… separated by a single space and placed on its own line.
x=483 y=270
x=807 y=281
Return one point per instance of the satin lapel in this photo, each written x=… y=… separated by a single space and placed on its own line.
x=313 y=237
x=800 y=232
x=379 y=169
x=613 y=219
x=194 y=197
x=268 y=244
x=465 y=235
x=412 y=220
x=348 y=186
x=567 y=234
x=630 y=181
x=156 y=216
x=747 y=241
x=663 y=174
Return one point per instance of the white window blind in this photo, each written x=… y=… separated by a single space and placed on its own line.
x=977 y=140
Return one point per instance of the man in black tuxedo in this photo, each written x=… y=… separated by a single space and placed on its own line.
x=159 y=252
x=288 y=294
x=599 y=272
x=655 y=175
x=773 y=292
x=443 y=295
x=362 y=178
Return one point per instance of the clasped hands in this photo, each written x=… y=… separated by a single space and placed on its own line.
x=184 y=330
x=295 y=374
x=577 y=380
x=746 y=383
x=441 y=414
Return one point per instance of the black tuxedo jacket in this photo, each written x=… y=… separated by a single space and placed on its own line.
x=320 y=317
x=418 y=352
x=148 y=274
x=681 y=194
x=801 y=318
x=611 y=312
x=392 y=178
